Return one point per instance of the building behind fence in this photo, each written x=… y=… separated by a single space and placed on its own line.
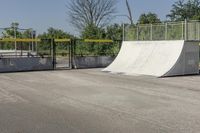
x=185 y=30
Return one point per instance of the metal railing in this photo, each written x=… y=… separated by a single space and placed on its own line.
x=184 y=30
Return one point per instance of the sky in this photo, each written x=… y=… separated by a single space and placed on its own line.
x=42 y=14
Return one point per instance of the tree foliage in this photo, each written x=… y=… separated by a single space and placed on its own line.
x=15 y=30
x=113 y=32
x=10 y=32
x=55 y=33
x=185 y=10
x=93 y=32
x=84 y=13
x=45 y=45
x=148 y=18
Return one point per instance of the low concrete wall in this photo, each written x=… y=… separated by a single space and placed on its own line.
x=92 y=61
x=25 y=64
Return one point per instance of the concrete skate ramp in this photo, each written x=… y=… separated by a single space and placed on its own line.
x=157 y=58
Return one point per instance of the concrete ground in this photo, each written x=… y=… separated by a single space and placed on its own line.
x=90 y=101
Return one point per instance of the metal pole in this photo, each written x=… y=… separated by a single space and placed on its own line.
x=186 y=30
x=74 y=54
x=137 y=33
x=123 y=36
x=35 y=43
x=15 y=36
x=36 y=48
x=166 y=30
x=151 y=32
x=32 y=36
x=198 y=31
x=53 y=45
x=183 y=31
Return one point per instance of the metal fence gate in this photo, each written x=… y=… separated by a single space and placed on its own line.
x=62 y=54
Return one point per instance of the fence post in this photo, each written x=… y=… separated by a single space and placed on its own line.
x=183 y=30
x=70 y=54
x=53 y=45
x=198 y=30
x=74 y=54
x=166 y=30
x=186 y=30
x=33 y=36
x=137 y=33
x=151 y=32
x=15 y=36
x=123 y=36
x=36 y=47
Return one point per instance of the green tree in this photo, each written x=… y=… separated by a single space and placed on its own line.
x=12 y=31
x=144 y=32
x=114 y=32
x=84 y=13
x=182 y=10
x=45 y=46
x=148 y=18
x=27 y=33
x=55 y=33
x=93 y=32
x=90 y=32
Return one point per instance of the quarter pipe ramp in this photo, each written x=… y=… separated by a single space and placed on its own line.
x=157 y=58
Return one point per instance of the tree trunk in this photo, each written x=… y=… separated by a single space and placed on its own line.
x=129 y=11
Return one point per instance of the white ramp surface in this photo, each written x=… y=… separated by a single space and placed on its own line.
x=157 y=58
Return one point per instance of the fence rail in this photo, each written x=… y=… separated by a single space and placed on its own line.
x=184 y=30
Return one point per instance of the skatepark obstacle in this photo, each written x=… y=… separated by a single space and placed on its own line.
x=157 y=58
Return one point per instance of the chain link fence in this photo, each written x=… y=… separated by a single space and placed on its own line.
x=89 y=47
x=9 y=36
x=184 y=30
